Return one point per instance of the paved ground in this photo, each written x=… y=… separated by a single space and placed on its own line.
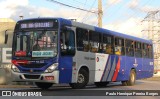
x=142 y=82
x=146 y=84
x=59 y=91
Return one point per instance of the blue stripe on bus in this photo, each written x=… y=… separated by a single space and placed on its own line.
x=112 y=63
x=106 y=65
x=107 y=69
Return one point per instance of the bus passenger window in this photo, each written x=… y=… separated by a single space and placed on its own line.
x=129 y=44
x=82 y=40
x=94 y=39
x=145 y=51
x=67 y=43
x=119 y=46
x=150 y=51
x=138 y=49
x=108 y=44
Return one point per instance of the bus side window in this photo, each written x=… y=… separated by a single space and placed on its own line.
x=145 y=50
x=82 y=40
x=67 y=42
x=150 y=48
x=138 y=49
x=94 y=39
x=108 y=44
x=129 y=44
x=119 y=46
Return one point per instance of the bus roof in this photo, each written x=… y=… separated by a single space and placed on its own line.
x=97 y=29
x=105 y=31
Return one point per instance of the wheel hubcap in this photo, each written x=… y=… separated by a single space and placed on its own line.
x=80 y=78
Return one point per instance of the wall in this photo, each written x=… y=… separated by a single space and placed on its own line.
x=5 y=50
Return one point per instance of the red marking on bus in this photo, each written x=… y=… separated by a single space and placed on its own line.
x=116 y=71
x=17 y=62
x=14 y=62
x=20 y=53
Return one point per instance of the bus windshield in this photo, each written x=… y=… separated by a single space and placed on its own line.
x=36 y=44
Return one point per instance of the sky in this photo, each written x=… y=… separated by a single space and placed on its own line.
x=123 y=16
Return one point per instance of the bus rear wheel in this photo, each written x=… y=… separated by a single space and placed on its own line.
x=101 y=84
x=82 y=81
x=132 y=79
x=43 y=85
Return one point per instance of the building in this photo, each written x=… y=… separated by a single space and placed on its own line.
x=5 y=49
x=6 y=24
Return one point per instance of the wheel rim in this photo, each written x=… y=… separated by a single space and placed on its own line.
x=80 y=78
x=132 y=78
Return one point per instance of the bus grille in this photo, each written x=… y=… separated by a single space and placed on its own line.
x=34 y=71
x=31 y=76
x=32 y=65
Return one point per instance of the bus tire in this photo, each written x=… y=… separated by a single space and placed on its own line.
x=101 y=84
x=82 y=81
x=43 y=85
x=132 y=78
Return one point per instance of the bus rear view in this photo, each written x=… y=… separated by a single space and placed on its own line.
x=35 y=51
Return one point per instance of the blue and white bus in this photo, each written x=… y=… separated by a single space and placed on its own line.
x=50 y=51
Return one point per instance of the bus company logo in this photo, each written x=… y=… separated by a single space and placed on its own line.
x=97 y=59
x=6 y=93
x=135 y=63
x=29 y=54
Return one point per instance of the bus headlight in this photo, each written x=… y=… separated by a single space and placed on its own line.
x=14 y=68
x=51 y=68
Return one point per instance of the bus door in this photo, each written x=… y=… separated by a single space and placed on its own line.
x=67 y=51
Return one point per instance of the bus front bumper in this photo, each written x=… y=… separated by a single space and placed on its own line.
x=36 y=77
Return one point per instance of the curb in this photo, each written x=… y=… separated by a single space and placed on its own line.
x=15 y=86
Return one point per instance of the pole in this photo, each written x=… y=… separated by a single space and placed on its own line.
x=100 y=13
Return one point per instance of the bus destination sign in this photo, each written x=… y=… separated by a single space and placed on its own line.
x=36 y=25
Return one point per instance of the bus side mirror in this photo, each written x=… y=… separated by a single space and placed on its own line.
x=6 y=37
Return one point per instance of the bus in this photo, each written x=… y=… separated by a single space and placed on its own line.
x=50 y=51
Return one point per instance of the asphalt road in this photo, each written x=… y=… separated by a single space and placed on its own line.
x=91 y=91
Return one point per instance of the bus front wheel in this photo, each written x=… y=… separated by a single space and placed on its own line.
x=43 y=85
x=83 y=78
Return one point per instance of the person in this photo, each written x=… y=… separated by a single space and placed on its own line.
x=101 y=50
x=117 y=51
x=86 y=47
x=108 y=49
x=94 y=48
